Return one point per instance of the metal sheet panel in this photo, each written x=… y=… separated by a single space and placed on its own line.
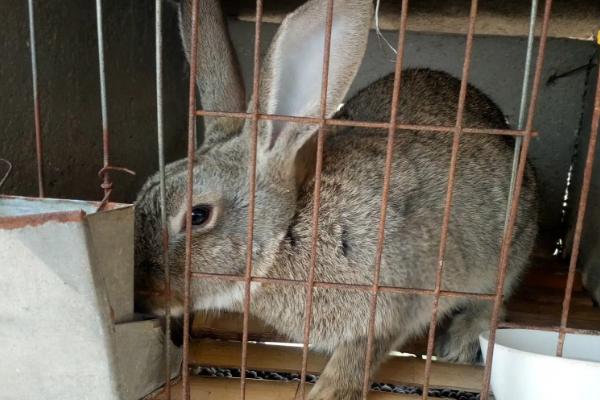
x=67 y=326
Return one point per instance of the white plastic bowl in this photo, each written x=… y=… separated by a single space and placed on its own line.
x=525 y=367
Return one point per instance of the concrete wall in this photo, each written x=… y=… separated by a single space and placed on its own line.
x=70 y=94
x=70 y=98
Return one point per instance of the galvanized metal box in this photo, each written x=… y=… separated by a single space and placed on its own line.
x=67 y=326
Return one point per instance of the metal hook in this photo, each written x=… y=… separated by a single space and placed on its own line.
x=108 y=186
x=8 y=171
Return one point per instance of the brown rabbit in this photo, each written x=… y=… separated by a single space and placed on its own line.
x=351 y=192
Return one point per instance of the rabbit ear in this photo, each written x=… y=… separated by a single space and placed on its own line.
x=217 y=73
x=292 y=74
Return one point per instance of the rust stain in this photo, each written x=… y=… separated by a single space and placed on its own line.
x=32 y=220
x=9 y=223
x=108 y=206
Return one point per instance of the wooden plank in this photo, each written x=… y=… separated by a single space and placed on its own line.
x=397 y=370
x=570 y=18
x=202 y=388
x=228 y=326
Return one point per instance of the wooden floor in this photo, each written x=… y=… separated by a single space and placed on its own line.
x=226 y=389
x=538 y=302
x=540 y=297
x=226 y=354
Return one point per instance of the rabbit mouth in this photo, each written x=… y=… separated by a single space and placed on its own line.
x=155 y=303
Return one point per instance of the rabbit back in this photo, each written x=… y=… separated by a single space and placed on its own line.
x=352 y=182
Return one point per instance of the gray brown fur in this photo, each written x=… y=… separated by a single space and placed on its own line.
x=351 y=193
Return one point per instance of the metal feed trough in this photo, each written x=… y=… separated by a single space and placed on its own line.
x=67 y=326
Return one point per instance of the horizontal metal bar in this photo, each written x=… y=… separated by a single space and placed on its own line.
x=363 y=124
x=557 y=328
x=343 y=286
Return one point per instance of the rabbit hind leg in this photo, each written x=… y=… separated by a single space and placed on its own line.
x=459 y=341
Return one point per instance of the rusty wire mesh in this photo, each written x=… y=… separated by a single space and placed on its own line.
x=392 y=126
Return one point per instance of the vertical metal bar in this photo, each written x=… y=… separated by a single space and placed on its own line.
x=506 y=241
x=384 y=196
x=4 y=177
x=106 y=185
x=36 y=102
x=316 y=195
x=523 y=103
x=585 y=189
x=189 y=198
x=161 y=169
x=449 y=192
x=252 y=193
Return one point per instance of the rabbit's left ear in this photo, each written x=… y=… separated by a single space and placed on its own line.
x=291 y=77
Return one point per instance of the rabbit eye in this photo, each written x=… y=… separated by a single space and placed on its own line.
x=200 y=214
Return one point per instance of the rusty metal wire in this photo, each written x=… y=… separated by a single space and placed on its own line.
x=39 y=152
x=583 y=200
x=364 y=124
x=508 y=233
x=108 y=186
x=342 y=286
x=185 y=373
x=375 y=288
x=316 y=195
x=252 y=195
x=448 y=204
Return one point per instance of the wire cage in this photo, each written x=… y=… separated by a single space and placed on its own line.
x=426 y=373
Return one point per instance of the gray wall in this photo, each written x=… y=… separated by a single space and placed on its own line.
x=589 y=256
x=70 y=94
x=70 y=99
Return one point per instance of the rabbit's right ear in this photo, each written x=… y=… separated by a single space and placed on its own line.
x=291 y=77
x=217 y=74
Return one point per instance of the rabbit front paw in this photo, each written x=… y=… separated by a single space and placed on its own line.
x=458 y=349
x=460 y=342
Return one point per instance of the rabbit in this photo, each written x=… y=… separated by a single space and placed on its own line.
x=350 y=199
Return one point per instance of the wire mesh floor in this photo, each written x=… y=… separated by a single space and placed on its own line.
x=294 y=377
x=283 y=376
